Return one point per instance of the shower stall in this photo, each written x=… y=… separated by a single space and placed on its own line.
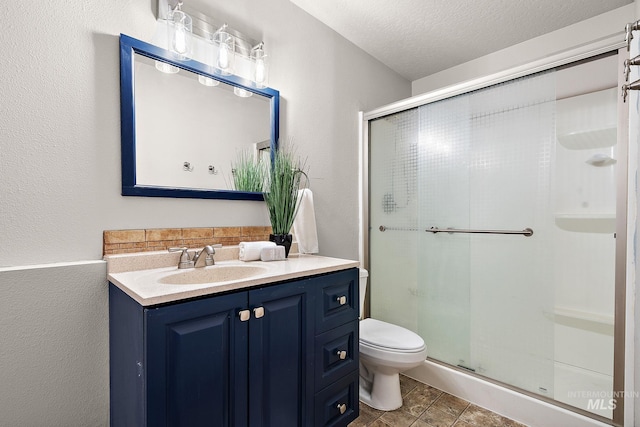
x=492 y=230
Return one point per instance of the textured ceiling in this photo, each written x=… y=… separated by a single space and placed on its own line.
x=417 y=38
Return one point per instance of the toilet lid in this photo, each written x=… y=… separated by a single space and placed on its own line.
x=387 y=335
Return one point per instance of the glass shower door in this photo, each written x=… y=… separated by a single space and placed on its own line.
x=485 y=164
x=539 y=152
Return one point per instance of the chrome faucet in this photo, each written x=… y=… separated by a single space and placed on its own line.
x=199 y=258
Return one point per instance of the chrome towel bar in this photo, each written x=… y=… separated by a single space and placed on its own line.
x=526 y=232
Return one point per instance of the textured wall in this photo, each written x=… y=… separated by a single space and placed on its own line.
x=54 y=359
x=587 y=31
x=60 y=177
x=61 y=137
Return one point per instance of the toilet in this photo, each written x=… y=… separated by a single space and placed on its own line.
x=386 y=350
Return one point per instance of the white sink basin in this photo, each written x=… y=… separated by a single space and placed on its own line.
x=212 y=274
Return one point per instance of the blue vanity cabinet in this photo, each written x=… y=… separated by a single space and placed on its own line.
x=196 y=358
x=337 y=308
x=199 y=363
x=183 y=364
x=281 y=352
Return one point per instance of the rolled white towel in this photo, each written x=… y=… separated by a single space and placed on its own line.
x=250 y=251
x=272 y=254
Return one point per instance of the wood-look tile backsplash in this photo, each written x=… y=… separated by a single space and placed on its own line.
x=159 y=239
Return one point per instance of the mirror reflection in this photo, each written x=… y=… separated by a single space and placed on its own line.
x=183 y=126
x=187 y=133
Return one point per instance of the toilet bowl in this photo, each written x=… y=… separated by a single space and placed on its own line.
x=386 y=350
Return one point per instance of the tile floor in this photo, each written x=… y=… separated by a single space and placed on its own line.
x=425 y=406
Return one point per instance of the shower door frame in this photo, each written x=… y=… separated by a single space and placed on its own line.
x=622 y=352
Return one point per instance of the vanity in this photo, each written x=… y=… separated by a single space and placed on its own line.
x=233 y=344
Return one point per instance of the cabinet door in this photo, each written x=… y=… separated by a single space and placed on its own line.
x=197 y=363
x=281 y=356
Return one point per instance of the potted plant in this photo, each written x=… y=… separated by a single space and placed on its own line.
x=284 y=179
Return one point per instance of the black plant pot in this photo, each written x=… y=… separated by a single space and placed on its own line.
x=282 y=240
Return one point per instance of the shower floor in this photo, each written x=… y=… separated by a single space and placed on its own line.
x=426 y=406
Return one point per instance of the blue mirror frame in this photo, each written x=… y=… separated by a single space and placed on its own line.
x=130 y=46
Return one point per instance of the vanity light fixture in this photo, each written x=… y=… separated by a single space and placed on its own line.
x=180 y=25
x=191 y=34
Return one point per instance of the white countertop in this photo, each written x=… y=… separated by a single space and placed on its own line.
x=145 y=286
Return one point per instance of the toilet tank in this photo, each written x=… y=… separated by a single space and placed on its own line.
x=364 y=275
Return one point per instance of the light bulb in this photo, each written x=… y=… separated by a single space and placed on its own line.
x=226 y=50
x=259 y=65
x=223 y=56
x=260 y=71
x=180 y=36
x=180 y=39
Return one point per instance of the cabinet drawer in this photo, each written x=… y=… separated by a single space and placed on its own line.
x=338 y=299
x=337 y=405
x=336 y=354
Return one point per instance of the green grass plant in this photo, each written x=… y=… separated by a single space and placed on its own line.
x=248 y=173
x=285 y=178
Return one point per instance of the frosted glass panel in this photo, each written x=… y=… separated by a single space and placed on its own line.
x=532 y=312
x=482 y=161
x=444 y=290
x=487 y=162
x=394 y=204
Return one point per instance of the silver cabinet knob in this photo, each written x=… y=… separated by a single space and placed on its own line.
x=258 y=312
x=244 y=315
x=342 y=300
x=341 y=354
x=342 y=407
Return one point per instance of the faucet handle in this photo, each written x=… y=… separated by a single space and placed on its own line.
x=185 y=262
x=209 y=260
x=210 y=250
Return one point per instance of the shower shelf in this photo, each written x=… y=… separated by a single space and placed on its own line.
x=587 y=223
x=586 y=216
x=605 y=319
x=585 y=140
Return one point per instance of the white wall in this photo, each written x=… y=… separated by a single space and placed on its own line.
x=60 y=175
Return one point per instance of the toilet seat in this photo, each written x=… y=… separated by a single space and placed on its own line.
x=384 y=336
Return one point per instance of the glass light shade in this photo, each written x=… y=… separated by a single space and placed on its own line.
x=180 y=33
x=166 y=68
x=226 y=51
x=207 y=81
x=242 y=93
x=259 y=66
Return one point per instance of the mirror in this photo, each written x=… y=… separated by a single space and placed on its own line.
x=180 y=136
